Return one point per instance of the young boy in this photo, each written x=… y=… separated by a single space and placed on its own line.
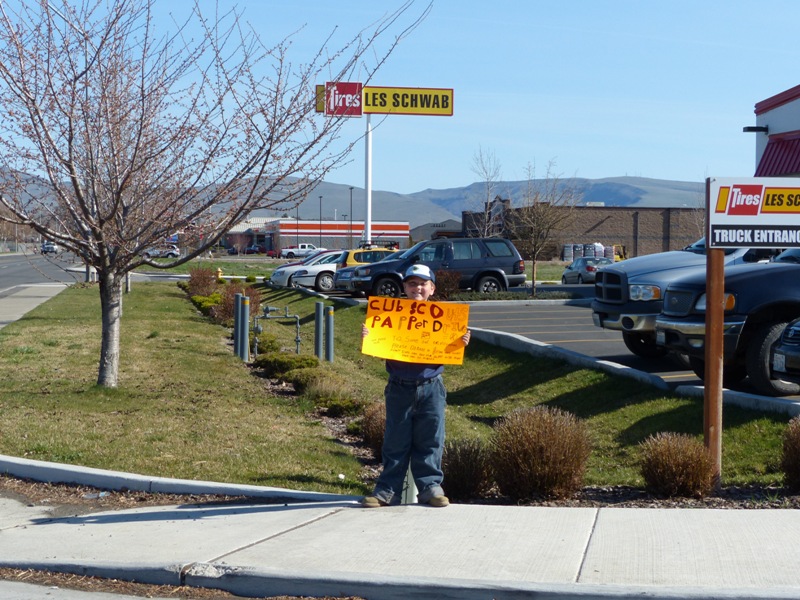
x=415 y=402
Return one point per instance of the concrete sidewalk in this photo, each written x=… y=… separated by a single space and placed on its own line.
x=333 y=547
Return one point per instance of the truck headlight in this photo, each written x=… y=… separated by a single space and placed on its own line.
x=644 y=293
x=728 y=302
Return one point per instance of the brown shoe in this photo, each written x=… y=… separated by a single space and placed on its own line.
x=372 y=502
x=439 y=501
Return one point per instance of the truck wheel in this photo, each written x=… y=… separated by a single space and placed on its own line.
x=759 y=361
x=290 y=255
x=386 y=287
x=324 y=282
x=643 y=345
x=731 y=375
x=489 y=284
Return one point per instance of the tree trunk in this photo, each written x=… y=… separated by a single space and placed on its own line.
x=111 y=307
x=533 y=276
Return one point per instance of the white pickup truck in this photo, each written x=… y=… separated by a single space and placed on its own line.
x=301 y=250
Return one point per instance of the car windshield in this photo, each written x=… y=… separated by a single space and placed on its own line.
x=792 y=255
x=699 y=247
x=411 y=251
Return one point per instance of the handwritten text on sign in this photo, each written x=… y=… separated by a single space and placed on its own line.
x=416 y=331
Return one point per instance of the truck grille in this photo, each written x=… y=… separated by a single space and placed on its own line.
x=610 y=286
x=678 y=303
x=791 y=335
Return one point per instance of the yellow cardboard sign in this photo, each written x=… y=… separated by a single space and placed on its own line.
x=415 y=331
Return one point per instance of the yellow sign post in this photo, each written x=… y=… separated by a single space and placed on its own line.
x=416 y=331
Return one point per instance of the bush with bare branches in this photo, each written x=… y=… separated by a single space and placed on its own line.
x=540 y=451
x=675 y=464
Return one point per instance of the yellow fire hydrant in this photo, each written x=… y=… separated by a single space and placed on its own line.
x=219 y=273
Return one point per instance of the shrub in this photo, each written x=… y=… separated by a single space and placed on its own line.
x=790 y=459
x=267 y=342
x=373 y=426
x=303 y=377
x=467 y=469
x=206 y=304
x=223 y=313
x=540 y=451
x=250 y=279
x=329 y=391
x=202 y=281
x=277 y=364
x=447 y=284
x=674 y=464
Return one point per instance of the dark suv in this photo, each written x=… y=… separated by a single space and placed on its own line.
x=484 y=264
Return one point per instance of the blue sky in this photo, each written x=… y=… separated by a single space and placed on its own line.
x=601 y=88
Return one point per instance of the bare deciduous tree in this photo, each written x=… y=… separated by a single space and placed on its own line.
x=487 y=168
x=114 y=137
x=548 y=207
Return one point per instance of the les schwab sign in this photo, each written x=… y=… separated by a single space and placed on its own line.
x=351 y=99
x=753 y=212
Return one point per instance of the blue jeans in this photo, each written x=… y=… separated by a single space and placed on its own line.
x=414 y=437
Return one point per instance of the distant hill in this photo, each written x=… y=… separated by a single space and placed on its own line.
x=433 y=206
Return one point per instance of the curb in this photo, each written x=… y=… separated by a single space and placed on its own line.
x=51 y=472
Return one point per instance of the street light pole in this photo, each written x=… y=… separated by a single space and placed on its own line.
x=350 y=236
x=320 y=221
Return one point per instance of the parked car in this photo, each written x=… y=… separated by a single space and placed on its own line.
x=300 y=250
x=629 y=294
x=582 y=270
x=760 y=300
x=484 y=265
x=363 y=256
x=255 y=250
x=321 y=277
x=49 y=248
x=343 y=278
x=283 y=276
x=318 y=276
x=786 y=354
x=170 y=251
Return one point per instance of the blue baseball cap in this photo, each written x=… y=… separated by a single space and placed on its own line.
x=421 y=271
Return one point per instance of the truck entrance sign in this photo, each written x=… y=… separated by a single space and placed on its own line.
x=754 y=212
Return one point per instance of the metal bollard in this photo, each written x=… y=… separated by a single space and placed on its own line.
x=329 y=333
x=237 y=306
x=409 y=495
x=244 y=326
x=318 y=329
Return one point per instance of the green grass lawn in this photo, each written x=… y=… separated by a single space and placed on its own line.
x=187 y=408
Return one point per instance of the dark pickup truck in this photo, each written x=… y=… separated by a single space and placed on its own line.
x=629 y=294
x=759 y=302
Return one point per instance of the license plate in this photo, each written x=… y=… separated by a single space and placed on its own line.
x=597 y=320
x=779 y=363
x=661 y=338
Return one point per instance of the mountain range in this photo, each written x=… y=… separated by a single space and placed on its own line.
x=437 y=205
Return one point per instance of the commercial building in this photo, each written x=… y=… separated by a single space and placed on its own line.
x=274 y=234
